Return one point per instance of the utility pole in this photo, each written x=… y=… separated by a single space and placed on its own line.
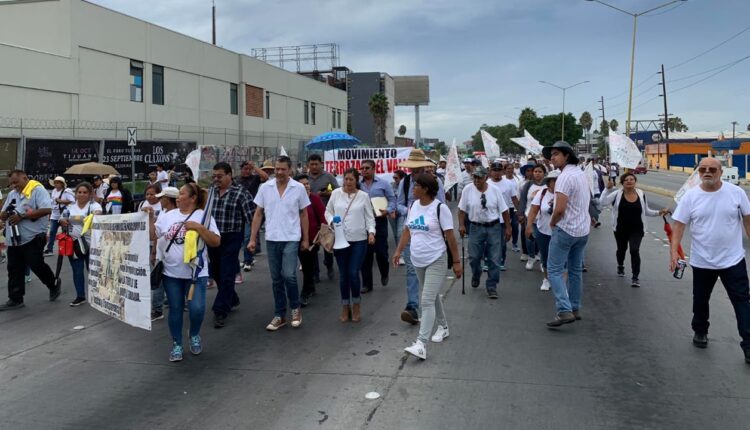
x=213 y=22
x=604 y=119
x=664 y=94
x=734 y=124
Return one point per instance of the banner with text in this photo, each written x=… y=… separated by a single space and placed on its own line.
x=452 y=168
x=623 y=151
x=386 y=160
x=119 y=276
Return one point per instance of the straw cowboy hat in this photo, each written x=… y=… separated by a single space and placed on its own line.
x=58 y=179
x=416 y=159
x=267 y=165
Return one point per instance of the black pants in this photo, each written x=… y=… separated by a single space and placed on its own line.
x=28 y=255
x=307 y=259
x=223 y=266
x=378 y=251
x=632 y=238
x=736 y=283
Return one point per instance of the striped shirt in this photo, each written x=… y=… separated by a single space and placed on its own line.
x=572 y=183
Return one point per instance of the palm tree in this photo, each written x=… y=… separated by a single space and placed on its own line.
x=402 y=130
x=379 y=109
x=526 y=119
x=586 y=121
x=614 y=124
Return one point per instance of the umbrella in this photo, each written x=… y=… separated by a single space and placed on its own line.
x=91 y=169
x=668 y=231
x=332 y=140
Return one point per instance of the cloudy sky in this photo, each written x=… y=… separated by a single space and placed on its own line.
x=485 y=57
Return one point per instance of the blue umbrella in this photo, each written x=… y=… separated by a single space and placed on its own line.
x=332 y=140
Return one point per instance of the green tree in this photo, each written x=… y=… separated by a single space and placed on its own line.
x=441 y=148
x=379 y=110
x=614 y=124
x=547 y=129
x=402 y=130
x=676 y=124
x=527 y=119
x=586 y=121
x=502 y=133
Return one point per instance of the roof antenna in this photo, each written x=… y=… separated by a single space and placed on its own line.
x=213 y=21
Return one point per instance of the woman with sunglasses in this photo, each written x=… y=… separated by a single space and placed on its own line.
x=629 y=212
x=537 y=225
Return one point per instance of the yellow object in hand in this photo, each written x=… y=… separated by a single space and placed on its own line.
x=87 y=223
x=190 y=246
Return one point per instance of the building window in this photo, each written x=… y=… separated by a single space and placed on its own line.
x=136 y=81
x=338 y=115
x=233 y=108
x=268 y=105
x=333 y=118
x=157 y=77
x=307 y=112
x=312 y=111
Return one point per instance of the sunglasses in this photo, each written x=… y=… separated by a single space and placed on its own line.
x=708 y=169
x=483 y=200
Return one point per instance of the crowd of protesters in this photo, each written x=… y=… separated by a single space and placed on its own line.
x=543 y=210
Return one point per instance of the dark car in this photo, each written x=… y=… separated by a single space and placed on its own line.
x=640 y=170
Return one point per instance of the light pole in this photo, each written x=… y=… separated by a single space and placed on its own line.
x=562 y=133
x=632 y=52
x=734 y=124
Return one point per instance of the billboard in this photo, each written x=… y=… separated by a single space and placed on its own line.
x=412 y=90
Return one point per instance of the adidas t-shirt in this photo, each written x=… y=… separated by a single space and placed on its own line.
x=427 y=243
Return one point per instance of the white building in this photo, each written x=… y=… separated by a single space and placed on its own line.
x=75 y=70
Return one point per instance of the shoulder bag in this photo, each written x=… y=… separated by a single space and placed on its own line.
x=158 y=271
x=326 y=236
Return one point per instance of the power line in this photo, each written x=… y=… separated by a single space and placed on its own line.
x=711 y=75
x=709 y=50
x=648 y=78
x=666 y=11
x=702 y=73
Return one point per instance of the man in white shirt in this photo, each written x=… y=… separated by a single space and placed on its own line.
x=570 y=225
x=716 y=211
x=509 y=191
x=286 y=224
x=485 y=207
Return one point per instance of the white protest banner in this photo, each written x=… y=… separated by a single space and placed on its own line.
x=491 y=149
x=193 y=161
x=119 y=280
x=692 y=181
x=623 y=151
x=386 y=160
x=452 y=168
x=589 y=171
x=528 y=143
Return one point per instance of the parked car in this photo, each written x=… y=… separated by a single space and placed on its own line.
x=641 y=169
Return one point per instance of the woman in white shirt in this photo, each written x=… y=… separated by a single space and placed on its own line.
x=178 y=275
x=150 y=199
x=537 y=226
x=350 y=210
x=61 y=198
x=72 y=219
x=429 y=224
x=527 y=193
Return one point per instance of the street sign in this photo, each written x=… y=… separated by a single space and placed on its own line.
x=132 y=136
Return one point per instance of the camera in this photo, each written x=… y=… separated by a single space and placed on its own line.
x=15 y=234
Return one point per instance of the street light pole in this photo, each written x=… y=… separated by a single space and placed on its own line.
x=632 y=51
x=734 y=124
x=562 y=115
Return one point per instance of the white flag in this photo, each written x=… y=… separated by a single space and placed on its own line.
x=623 y=151
x=452 y=168
x=282 y=152
x=490 y=145
x=692 y=181
x=528 y=143
x=589 y=171
x=193 y=161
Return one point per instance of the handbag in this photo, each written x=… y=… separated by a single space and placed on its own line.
x=158 y=271
x=326 y=236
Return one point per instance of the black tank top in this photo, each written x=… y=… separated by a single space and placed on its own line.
x=629 y=215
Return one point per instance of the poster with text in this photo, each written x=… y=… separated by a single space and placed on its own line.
x=386 y=160
x=148 y=153
x=119 y=272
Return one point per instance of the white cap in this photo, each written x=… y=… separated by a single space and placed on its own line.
x=170 y=192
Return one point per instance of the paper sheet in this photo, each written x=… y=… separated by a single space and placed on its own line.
x=379 y=203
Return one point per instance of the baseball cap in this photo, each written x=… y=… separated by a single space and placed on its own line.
x=170 y=192
x=496 y=165
x=480 y=172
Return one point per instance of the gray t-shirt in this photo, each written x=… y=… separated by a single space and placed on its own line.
x=321 y=182
x=28 y=229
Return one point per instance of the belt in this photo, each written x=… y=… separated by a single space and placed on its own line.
x=486 y=224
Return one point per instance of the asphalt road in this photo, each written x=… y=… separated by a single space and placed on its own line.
x=628 y=364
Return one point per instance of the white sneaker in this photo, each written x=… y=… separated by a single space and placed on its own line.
x=538 y=257
x=524 y=257
x=530 y=264
x=440 y=334
x=238 y=279
x=545 y=285
x=417 y=349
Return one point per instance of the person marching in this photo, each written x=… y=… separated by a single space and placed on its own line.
x=73 y=218
x=509 y=191
x=350 y=210
x=322 y=183
x=167 y=202
x=251 y=176
x=487 y=212
x=117 y=199
x=629 y=212
x=376 y=187
x=316 y=216
x=61 y=198
x=150 y=198
x=570 y=226
x=529 y=190
x=178 y=277
x=429 y=225
x=537 y=224
x=716 y=211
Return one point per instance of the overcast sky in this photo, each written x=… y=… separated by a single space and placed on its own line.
x=485 y=57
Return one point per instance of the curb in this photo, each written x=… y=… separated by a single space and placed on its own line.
x=658 y=190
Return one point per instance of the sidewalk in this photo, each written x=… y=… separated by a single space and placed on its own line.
x=628 y=364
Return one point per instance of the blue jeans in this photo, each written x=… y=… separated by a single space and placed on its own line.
x=282 y=262
x=177 y=291
x=53 y=227
x=350 y=262
x=248 y=256
x=531 y=248
x=566 y=249
x=542 y=244
x=513 y=227
x=412 y=283
x=157 y=298
x=79 y=274
x=486 y=242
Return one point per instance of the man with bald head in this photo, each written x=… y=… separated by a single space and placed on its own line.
x=716 y=212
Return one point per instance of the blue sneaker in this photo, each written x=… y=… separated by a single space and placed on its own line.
x=195 y=345
x=176 y=354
